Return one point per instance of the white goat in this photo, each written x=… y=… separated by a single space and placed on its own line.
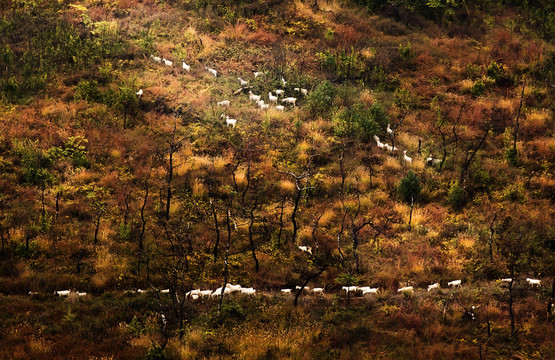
x=195 y=297
x=33 y=293
x=80 y=294
x=286 y=291
x=289 y=100
x=307 y=249
x=433 y=162
x=533 y=282
x=507 y=280
x=140 y=92
x=304 y=92
x=248 y=291
x=389 y=131
x=455 y=283
x=211 y=71
x=243 y=82
x=318 y=291
x=280 y=92
x=140 y=291
x=433 y=286
x=264 y=106
x=349 y=289
x=167 y=62
x=258 y=73
x=406 y=288
x=272 y=98
x=165 y=291
x=283 y=81
x=407 y=159
x=230 y=121
x=204 y=292
x=377 y=140
x=156 y=59
x=62 y=292
x=297 y=89
x=280 y=108
x=225 y=103
x=370 y=291
x=253 y=97
x=186 y=67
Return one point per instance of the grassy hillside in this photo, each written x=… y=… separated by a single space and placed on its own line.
x=104 y=190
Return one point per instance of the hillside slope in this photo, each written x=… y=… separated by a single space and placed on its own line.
x=106 y=189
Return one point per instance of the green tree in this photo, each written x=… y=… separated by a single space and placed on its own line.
x=347 y=279
x=409 y=189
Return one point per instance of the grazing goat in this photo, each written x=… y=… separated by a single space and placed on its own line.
x=248 y=291
x=140 y=92
x=406 y=288
x=230 y=121
x=286 y=291
x=533 y=282
x=280 y=92
x=289 y=100
x=165 y=291
x=433 y=286
x=348 y=289
x=258 y=73
x=307 y=249
x=62 y=292
x=186 y=67
x=225 y=103
x=140 y=291
x=194 y=297
x=280 y=108
x=318 y=291
x=264 y=106
x=433 y=162
x=455 y=283
x=81 y=294
x=297 y=89
x=156 y=59
x=304 y=92
x=370 y=291
x=167 y=62
x=407 y=159
x=211 y=71
x=204 y=292
x=272 y=98
x=283 y=81
x=33 y=293
x=253 y=97
x=507 y=280
x=243 y=82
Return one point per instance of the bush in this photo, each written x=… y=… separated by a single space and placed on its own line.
x=457 y=197
x=155 y=352
x=360 y=121
x=478 y=88
x=410 y=188
x=320 y=101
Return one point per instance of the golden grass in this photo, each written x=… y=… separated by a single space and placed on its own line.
x=287 y=186
x=391 y=164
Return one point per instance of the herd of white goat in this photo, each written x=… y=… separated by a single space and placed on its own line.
x=229 y=289
x=259 y=100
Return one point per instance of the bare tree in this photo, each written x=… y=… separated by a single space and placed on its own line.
x=173 y=146
x=468 y=160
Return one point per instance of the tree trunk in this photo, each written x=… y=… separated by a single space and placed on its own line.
x=294 y=213
x=281 y=220
x=410 y=214
x=256 y=267
x=217 y=230
x=143 y=228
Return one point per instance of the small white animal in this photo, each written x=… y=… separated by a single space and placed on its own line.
x=248 y=291
x=243 y=82
x=297 y=89
x=407 y=159
x=349 y=288
x=156 y=59
x=81 y=294
x=406 y=288
x=304 y=92
x=286 y=291
x=280 y=92
x=389 y=131
x=253 y=97
x=264 y=106
x=280 y=108
x=186 y=67
x=455 y=283
x=283 y=81
x=225 y=103
x=211 y=71
x=272 y=98
x=33 y=293
x=258 y=73
x=194 y=296
x=370 y=291
x=533 y=282
x=204 y=292
x=307 y=249
x=432 y=162
x=230 y=121
x=167 y=62
x=318 y=290
x=165 y=291
x=507 y=280
x=377 y=140
x=289 y=100
x=141 y=291
x=140 y=92
x=433 y=286
x=62 y=292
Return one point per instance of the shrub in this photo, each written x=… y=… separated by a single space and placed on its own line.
x=155 y=352
x=320 y=100
x=478 y=88
x=457 y=197
x=409 y=188
x=360 y=121
x=88 y=90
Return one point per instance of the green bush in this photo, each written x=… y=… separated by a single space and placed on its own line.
x=88 y=90
x=360 y=121
x=457 y=197
x=320 y=101
x=409 y=188
x=478 y=88
x=155 y=352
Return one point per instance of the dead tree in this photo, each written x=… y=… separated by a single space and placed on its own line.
x=396 y=126
x=492 y=232
x=281 y=220
x=226 y=255
x=143 y=226
x=217 y=229
x=251 y=224
x=517 y=124
x=173 y=146
x=468 y=160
